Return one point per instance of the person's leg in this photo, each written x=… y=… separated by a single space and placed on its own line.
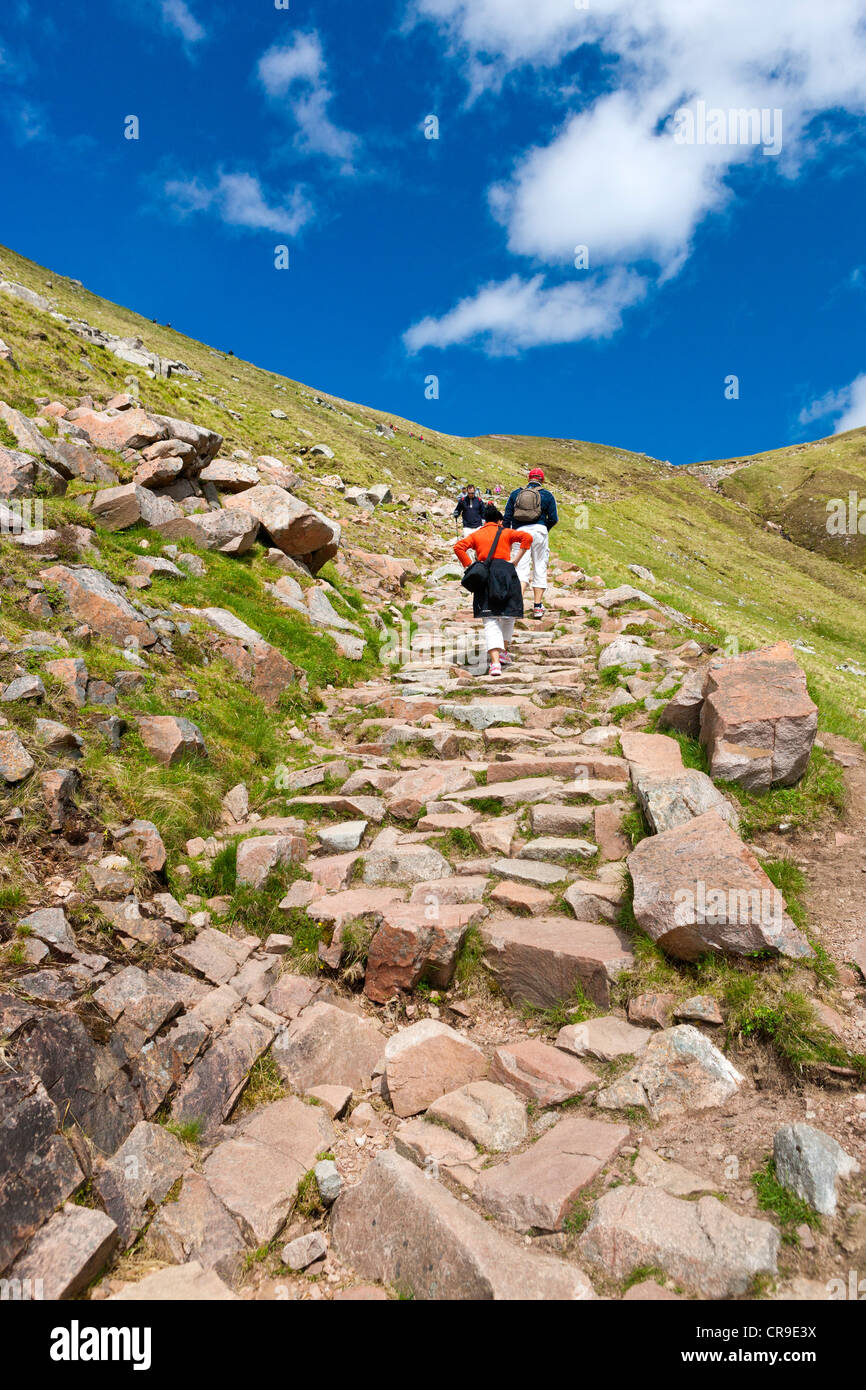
x=507 y=628
x=495 y=643
x=524 y=564
x=540 y=558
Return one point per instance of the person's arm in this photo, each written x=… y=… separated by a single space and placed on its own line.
x=458 y=510
x=462 y=549
x=521 y=538
x=552 y=513
x=509 y=509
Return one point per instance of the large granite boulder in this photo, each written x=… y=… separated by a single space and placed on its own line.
x=758 y=721
x=699 y=888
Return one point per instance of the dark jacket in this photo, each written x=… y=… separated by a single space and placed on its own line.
x=471 y=510
x=509 y=606
x=549 y=515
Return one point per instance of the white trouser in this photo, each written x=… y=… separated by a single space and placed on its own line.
x=535 y=559
x=498 y=632
x=470 y=530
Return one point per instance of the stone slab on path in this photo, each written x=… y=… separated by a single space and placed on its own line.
x=401 y=1228
x=412 y=943
x=427 y=1060
x=703 y=1245
x=538 y=874
x=255 y=1174
x=488 y=1114
x=68 y=1252
x=699 y=887
x=605 y=1038
x=540 y=960
x=540 y=1072
x=328 y=1046
x=537 y=1189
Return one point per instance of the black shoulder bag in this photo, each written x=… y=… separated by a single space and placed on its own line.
x=477 y=577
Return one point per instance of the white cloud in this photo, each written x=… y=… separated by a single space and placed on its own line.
x=517 y=314
x=848 y=404
x=297 y=73
x=239 y=201
x=612 y=176
x=177 y=15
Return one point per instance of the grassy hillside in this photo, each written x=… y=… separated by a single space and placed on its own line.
x=710 y=552
x=794 y=487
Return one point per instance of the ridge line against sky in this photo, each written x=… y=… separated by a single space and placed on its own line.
x=589 y=228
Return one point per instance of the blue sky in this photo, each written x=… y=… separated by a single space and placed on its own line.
x=559 y=127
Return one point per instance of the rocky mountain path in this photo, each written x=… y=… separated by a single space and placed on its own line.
x=468 y=1085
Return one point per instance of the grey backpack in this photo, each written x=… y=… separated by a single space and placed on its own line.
x=527 y=506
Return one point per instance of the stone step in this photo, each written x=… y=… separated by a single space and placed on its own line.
x=389 y=1224
x=558 y=849
x=540 y=960
x=526 y=871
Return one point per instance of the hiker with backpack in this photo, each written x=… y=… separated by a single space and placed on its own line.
x=470 y=510
x=492 y=580
x=533 y=509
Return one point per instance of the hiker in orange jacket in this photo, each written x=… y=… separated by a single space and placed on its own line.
x=501 y=601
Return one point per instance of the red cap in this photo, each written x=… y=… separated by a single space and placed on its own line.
x=537 y=473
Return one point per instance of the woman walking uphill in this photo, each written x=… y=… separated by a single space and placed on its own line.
x=498 y=600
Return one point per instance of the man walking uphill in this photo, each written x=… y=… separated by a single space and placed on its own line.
x=533 y=509
x=470 y=511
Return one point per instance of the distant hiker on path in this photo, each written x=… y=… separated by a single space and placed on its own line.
x=470 y=511
x=533 y=509
x=498 y=600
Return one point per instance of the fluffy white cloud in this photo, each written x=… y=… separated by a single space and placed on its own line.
x=848 y=405
x=612 y=175
x=177 y=15
x=297 y=73
x=239 y=201
x=517 y=314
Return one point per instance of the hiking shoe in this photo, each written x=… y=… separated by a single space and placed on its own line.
x=506 y=659
x=538 y=610
x=495 y=669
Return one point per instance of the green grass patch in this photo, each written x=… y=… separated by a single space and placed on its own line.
x=791 y=1210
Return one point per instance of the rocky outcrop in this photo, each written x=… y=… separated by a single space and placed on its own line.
x=294 y=527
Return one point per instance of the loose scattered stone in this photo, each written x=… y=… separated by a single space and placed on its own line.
x=168 y=739
x=811 y=1163
x=757 y=720
x=306 y=1250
